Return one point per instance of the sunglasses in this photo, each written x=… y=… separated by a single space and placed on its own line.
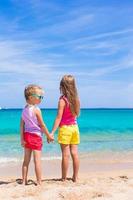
x=37 y=96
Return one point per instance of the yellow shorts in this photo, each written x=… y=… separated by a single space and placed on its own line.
x=68 y=134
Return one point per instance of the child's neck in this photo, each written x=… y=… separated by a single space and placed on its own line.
x=30 y=103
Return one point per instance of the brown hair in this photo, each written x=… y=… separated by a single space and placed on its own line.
x=30 y=89
x=69 y=90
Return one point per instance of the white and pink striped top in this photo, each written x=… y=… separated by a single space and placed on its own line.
x=31 y=124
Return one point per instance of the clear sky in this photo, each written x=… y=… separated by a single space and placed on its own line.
x=41 y=40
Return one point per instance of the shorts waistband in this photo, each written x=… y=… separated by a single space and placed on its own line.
x=71 y=125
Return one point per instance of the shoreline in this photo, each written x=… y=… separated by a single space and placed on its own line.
x=89 y=163
x=92 y=157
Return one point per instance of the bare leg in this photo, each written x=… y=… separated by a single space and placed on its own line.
x=27 y=157
x=65 y=160
x=74 y=154
x=37 y=162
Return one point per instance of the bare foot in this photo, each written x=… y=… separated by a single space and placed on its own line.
x=74 y=179
x=63 y=179
x=23 y=182
x=39 y=183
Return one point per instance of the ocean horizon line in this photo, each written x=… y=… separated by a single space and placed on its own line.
x=84 y=108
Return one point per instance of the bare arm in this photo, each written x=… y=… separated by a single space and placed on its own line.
x=22 y=131
x=61 y=106
x=78 y=107
x=42 y=124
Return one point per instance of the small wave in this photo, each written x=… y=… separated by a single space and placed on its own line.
x=51 y=158
x=5 y=160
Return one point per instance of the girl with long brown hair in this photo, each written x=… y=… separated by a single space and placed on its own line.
x=68 y=134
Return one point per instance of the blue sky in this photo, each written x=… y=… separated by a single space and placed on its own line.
x=41 y=40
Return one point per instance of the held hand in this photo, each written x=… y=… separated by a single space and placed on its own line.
x=50 y=138
x=48 y=141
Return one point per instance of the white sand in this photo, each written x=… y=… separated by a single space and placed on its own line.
x=99 y=180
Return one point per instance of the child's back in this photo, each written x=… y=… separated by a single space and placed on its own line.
x=30 y=120
x=67 y=117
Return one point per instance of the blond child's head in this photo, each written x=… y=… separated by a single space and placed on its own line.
x=33 y=94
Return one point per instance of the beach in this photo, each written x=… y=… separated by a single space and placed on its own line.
x=66 y=79
x=104 y=179
x=105 y=151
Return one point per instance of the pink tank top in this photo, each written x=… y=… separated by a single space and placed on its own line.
x=67 y=117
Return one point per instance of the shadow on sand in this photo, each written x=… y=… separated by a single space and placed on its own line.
x=6 y=182
x=31 y=182
x=56 y=179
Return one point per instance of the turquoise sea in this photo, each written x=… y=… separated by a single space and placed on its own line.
x=101 y=130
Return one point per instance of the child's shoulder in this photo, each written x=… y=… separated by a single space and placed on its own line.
x=64 y=98
x=36 y=111
x=61 y=96
x=36 y=108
